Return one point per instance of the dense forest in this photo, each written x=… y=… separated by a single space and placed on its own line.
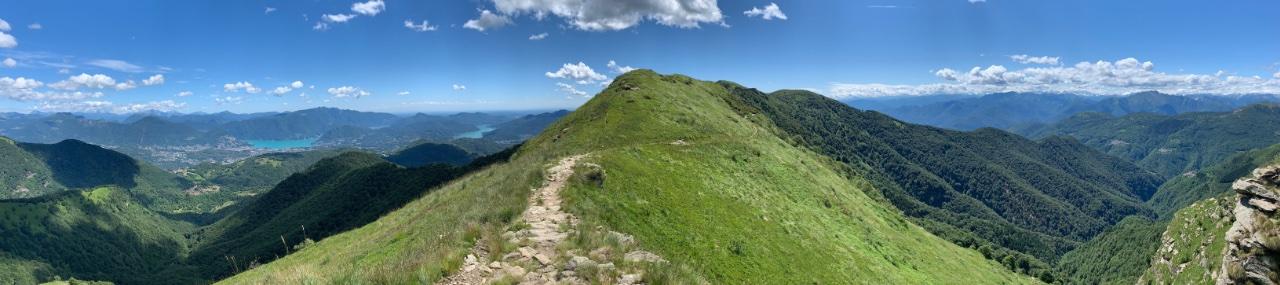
x=1021 y=202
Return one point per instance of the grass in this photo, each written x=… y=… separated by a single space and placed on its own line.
x=1197 y=237
x=734 y=205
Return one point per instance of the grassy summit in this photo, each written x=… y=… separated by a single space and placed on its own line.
x=673 y=164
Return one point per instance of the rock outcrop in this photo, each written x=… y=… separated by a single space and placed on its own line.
x=1252 y=255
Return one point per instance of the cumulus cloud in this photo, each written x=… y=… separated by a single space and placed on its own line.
x=242 y=85
x=579 y=72
x=769 y=12
x=9 y=62
x=487 y=20
x=613 y=66
x=606 y=15
x=1277 y=75
x=35 y=26
x=296 y=84
x=84 y=80
x=1027 y=59
x=459 y=87
x=6 y=40
x=1119 y=77
x=25 y=89
x=126 y=85
x=423 y=27
x=370 y=8
x=268 y=10
x=228 y=100
x=538 y=37
x=154 y=80
x=566 y=88
x=117 y=65
x=279 y=91
x=347 y=91
x=185 y=93
x=337 y=18
x=320 y=26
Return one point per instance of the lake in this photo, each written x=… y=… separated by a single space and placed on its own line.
x=282 y=144
x=476 y=133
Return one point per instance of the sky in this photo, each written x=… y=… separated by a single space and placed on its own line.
x=475 y=55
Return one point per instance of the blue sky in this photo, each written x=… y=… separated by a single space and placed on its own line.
x=374 y=61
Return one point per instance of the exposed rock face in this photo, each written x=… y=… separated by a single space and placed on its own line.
x=1252 y=255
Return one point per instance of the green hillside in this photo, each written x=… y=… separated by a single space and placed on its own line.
x=335 y=195
x=1174 y=145
x=1023 y=202
x=1118 y=256
x=99 y=234
x=710 y=190
x=23 y=175
x=1211 y=181
x=225 y=186
x=427 y=153
x=1193 y=244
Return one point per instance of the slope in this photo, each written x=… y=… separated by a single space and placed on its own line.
x=1174 y=145
x=711 y=191
x=98 y=234
x=23 y=175
x=223 y=186
x=335 y=195
x=987 y=188
x=426 y=153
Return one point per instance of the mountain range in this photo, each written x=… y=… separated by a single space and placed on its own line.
x=1015 y=111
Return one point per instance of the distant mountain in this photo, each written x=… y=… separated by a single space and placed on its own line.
x=524 y=127
x=986 y=188
x=303 y=124
x=43 y=169
x=426 y=153
x=1173 y=145
x=1012 y=111
x=403 y=131
x=144 y=131
x=219 y=187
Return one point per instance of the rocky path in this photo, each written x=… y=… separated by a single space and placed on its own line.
x=547 y=225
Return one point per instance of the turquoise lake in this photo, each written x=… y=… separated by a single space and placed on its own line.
x=281 y=144
x=476 y=133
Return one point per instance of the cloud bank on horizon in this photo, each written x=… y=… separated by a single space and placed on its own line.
x=380 y=55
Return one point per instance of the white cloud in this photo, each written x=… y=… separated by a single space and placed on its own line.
x=281 y=90
x=608 y=15
x=566 y=88
x=228 y=100
x=98 y=81
x=579 y=72
x=403 y=93
x=154 y=80
x=7 y=41
x=1277 y=75
x=613 y=66
x=371 y=8
x=9 y=62
x=459 y=87
x=769 y=12
x=977 y=1
x=4 y=26
x=296 y=84
x=1027 y=59
x=1119 y=77
x=242 y=85
x=80 y=106
x=423 y=27
x=538 y=37
x=122 y=86
x=35 y=26
x=337 y=18
x=320 y=26
x=347 y=91
x=486 y=21
x=268 y=10
x=64 y=71
x=185 y=94
x=115 y=64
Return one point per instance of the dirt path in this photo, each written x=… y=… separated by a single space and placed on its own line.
x=546 y=222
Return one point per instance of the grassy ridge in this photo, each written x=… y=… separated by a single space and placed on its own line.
x=692 y=180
